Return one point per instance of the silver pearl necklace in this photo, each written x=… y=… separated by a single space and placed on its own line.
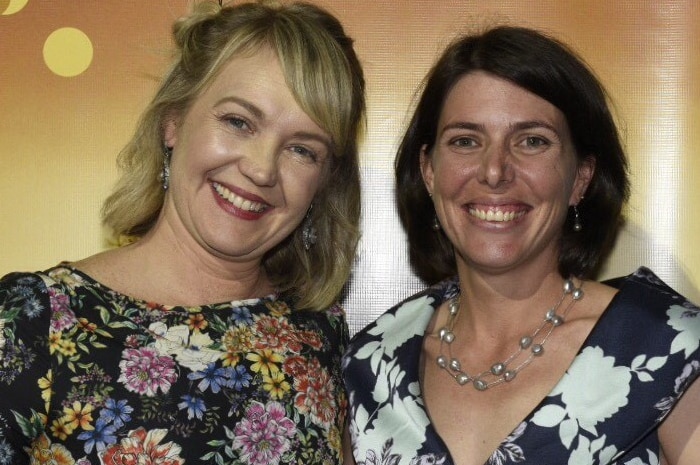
x=501 y=372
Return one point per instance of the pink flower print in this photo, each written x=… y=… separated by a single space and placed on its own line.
x=143 y=447
x=144 y=371
x=62 y=316
x=264 y=434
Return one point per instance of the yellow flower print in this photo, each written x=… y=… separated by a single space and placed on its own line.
x=45 y=384
x=54 y=341
x=44 y=452
x=60 y=429
x=278 y=308
x=238 y=339
x=197 y=322
x=230 y=359
x=86 y=326
x=264 y=361
x=276 y=385
x=77 y=415
x=67 y=347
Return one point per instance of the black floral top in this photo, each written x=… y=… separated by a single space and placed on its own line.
x=640 y=357
x=91 y=376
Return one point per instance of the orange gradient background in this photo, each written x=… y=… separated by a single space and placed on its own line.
x=59 y=135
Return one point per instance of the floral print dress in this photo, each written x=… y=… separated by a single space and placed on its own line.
x=631 y=370
x=91 y=376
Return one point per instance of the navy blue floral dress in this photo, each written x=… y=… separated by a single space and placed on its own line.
x=636 y=363
x=91 y=376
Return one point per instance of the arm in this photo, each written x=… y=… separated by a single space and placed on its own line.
x=348 y=459
x=24 y=321
x=680 y=433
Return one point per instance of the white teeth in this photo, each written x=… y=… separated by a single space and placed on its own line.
x=238 y=201
x=498 y=216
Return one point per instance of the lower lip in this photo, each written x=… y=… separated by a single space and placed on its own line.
x=231 y=209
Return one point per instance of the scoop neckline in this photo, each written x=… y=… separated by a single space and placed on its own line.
x=272 y=297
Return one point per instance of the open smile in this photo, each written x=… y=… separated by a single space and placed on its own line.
x=238 y=201
x=496 y=214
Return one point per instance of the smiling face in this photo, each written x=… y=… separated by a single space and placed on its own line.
x=246 y=162
x=502 y=173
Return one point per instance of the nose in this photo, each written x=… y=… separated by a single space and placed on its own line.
x=260 y=165
x=495 y=168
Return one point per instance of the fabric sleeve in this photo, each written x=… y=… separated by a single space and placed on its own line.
x=25 y=371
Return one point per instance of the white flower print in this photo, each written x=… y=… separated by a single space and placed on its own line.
x=585 y=453
x=685 y=320
x=409 y=320
x=189 y=348
x=586 y=403
x=403 y=418
x=653 y=460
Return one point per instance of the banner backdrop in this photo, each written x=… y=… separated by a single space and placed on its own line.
x=74 y=76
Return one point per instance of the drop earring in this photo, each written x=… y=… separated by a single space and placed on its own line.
x=436 y=223
x=577 y=227
x=308 y=231
x=165 y=171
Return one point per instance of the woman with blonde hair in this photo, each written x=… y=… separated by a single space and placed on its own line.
x=214 y=334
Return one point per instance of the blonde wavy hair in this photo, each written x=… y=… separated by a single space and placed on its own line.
x=326 y=79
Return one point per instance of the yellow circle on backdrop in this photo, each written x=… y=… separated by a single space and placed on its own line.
x=9 y=7
x=68 y=52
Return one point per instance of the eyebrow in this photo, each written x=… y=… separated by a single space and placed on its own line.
x=517 y=126
x=259 y=114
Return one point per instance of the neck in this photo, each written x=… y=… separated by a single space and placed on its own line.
x=186 y=274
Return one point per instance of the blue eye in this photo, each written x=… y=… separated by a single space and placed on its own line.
x=237 y=122
x=304 y=152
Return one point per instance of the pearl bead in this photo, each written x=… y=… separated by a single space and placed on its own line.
x=454 y=307
x=455 y=365
x=497 y=369
x=550 y=314
x=480 y=385
x=441 y=361
x=462 y=379
x=525 y=342
x=537 y=350
x=557 y=320
x=578 y=294
x=568 y=286
x=509 y=375
x=448 y=336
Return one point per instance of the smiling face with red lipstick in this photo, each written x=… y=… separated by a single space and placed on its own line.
x=502 y=173
x=246 y=162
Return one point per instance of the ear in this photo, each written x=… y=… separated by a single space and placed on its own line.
x=170 y=125
x=584 y=174
x=426 y=168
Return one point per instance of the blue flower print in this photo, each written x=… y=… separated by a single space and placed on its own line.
x=194 y=405
x=100 y=437
x=6 y=453
x=116 y=412
x=212 y=376
x=240 y=378
x=241 y=316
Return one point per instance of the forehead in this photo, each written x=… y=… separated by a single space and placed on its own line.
x=484 y=98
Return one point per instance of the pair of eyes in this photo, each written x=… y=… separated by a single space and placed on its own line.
x=241 y=124
x=528 y=142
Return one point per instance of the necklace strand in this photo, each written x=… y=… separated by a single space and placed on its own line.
x=501 y=372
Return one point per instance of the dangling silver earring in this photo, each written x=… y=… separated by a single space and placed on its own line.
x=436 y=223
x=165 y=171
x=577 y=220
x=308 y=230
